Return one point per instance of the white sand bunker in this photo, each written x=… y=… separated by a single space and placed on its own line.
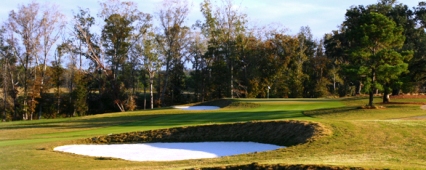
x=167 y=151
x=197 y=107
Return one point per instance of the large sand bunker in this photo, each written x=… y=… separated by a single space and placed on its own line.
x=197 y=107
x=167 y=151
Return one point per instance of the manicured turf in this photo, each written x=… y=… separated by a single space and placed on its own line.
x=382 y=138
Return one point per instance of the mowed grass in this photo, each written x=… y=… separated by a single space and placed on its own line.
x=373 y=138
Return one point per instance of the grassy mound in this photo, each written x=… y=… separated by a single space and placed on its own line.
x=256 y=166
x=243 y=105
x=229 y=103
x=283 y=133
x=222 y=103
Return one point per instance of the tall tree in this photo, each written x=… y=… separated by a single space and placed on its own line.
x=197 y=49
x=296 y=70
x=335 y=45
x=57 y=76
x=151 y=62
x=84 y=45
x=26 y=24
x=51 y=29
x=224 y=27
x=120 y=31
x=7 y=61
x=417 y=39
x=147 y=51
x=116 y=35
x=172 y=40
x=376 y=38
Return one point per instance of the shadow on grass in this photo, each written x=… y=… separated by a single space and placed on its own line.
x=320 y=112
x=308 y=100
x=168 y=117
x=214 y=117
x=90 y=121
x=80 y=123
x=164 y=120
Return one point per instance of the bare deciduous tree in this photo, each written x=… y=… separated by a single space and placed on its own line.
x=26 y=24
x=172 y=38
x=51 y=29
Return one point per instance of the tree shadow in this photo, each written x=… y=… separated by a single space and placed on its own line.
x=326 y=111
x=163 y=120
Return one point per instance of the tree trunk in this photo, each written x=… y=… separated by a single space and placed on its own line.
x=15 y=101
x=370 y=101
x=373 y=76
x=386 y=97
x=4 y=90
x=151 y=81
x=144 y=97
x=25 y=104
x=232 y=81
x=163 y=91
x=395 y=92
x=41 y=102
x=58 y=100
x=386 y=94
x=158 y=89
x=121 y=107
x=71 y=91
x=4 y=99
x=359 y=88
x=334 y=83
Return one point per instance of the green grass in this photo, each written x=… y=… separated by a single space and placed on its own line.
x=370 y=138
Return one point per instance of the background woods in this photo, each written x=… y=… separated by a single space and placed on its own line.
x=122 y=59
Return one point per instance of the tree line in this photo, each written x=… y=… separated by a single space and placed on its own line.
x=124 y=59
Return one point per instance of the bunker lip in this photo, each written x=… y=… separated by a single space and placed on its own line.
x=197 y=107
x=280 y=133
x=167 y=151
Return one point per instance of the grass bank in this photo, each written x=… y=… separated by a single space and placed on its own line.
x=283 y=133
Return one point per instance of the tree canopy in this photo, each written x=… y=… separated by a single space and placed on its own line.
x=106 y=62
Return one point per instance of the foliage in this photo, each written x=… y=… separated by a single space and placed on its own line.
x=378 y=48
x=80 y=95
x=375 y=40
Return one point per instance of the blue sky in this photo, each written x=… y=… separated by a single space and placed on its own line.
x=322 y=16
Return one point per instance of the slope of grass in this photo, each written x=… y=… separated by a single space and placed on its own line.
x=283 y=133
x=360 y=138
